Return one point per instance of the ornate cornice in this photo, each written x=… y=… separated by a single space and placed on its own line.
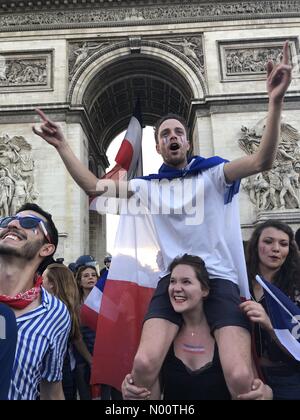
x=61 y=14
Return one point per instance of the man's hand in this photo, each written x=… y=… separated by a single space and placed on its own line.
x=132 y=392
x=259 y=391
x=279 y=76
x=256 y=313
x=49 y=131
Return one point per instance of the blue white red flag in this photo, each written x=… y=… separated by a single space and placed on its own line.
x=129 y=157
x=284 y=316
x=128 y=163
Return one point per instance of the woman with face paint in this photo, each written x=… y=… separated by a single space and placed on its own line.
x=192 y=368
x=272 y=253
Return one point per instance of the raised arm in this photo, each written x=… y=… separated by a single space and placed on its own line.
x=278 y=81
x=52 y=134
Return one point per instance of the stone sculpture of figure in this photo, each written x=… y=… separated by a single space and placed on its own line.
x=274 y=186
x=82 y=53
x=261 y=189
x=6 y=191
x=3 y=69
x=283 y=178
x=289 y=178
x=187 y=47
x=258 y=189
x=10 y=156
x=20 y=194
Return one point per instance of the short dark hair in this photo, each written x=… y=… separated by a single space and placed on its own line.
x=170 y=117
x=51 y=228
x=196 y=263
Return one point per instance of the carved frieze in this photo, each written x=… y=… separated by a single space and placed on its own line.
x=279 y=188
x=89 y=15
x=25 y=71
x=16 y=174
x=191 y=47
x=79 y=52
x=247 y=60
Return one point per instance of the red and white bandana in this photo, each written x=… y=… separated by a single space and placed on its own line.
x=22 y=300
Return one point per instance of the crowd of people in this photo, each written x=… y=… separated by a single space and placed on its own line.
x=202 y=332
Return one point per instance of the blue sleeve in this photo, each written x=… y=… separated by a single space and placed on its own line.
x=8 y=342
x=52 y=370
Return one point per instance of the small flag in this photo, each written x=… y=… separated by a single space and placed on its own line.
x=284 y=316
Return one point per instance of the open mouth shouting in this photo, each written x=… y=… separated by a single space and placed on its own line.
x=174 y=146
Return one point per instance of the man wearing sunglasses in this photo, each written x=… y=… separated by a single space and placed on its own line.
x=28 y=241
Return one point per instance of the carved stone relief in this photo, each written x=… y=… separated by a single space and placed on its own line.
x=16 y=174
x=79 y=52
x=191 y=47
x=25 y=71
x=248 y=60
x=279 y=188
x=91 y=16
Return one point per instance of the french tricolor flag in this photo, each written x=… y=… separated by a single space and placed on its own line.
x=128 y=164
x=117 y=314
x=129 y=157
x=131 y=282
x=284 y=316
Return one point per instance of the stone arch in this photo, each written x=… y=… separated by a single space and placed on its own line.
x=109 y=81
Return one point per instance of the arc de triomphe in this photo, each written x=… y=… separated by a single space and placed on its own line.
x=85 y=61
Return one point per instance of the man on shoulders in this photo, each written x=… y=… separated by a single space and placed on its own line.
x=220 y=181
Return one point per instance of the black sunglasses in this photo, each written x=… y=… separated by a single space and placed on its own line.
x=26 y=222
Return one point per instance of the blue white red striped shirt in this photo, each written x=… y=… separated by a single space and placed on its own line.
x=42 y=342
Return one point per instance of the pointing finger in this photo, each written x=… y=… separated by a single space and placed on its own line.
x=42 y=115
x=45 y=118
x=270 y=67
x=285 y=56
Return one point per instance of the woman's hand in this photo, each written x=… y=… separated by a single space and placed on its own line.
x=256 y=313
x=132 y=392
x=259 y=391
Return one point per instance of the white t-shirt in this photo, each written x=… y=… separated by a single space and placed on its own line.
x=196 y=221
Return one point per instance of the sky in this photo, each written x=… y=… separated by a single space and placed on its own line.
x=151 y=163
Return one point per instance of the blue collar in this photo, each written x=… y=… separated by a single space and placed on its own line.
x=195 y=165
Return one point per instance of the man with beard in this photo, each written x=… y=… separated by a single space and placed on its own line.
x=28 y=241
